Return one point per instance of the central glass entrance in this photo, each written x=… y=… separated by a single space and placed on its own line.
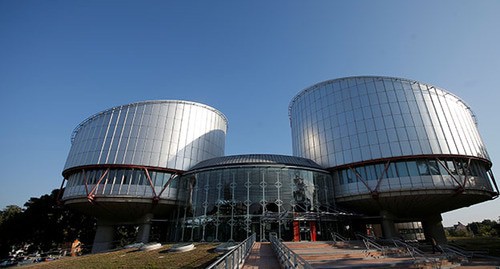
x=304 y=230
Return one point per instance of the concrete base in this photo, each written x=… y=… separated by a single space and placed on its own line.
x=144 y=229
x=388 y=227
x=103 y=239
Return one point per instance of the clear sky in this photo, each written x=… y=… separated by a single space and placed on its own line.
x=62 y=61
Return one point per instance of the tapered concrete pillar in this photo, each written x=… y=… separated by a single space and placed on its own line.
x=144 y=228
x=103 y=239
x=434 y=228
x=388 y=227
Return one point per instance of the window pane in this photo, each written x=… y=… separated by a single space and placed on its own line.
x=402 y=169
x=423 y=168
x=412 y=168
x=433 y=167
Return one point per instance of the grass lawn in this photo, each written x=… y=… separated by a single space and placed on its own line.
x=202 y=256
x=490 y=244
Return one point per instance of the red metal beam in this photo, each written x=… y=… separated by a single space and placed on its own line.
x=358 y=176
x=379 y=180
x=91 y=195
x=155 y=197
x=450 y=173
x=172 y=177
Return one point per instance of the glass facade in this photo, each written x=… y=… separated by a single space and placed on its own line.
x=133 y=183
x=384 y=138
x=232 y=202
x=409 y=174
x=357 y=119
x=167 y=134
x=128 y=158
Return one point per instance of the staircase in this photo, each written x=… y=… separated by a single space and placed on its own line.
x=355 y=254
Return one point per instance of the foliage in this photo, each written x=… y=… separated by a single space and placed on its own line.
x=125 y=234
x=9 y=212
x=486 y=228
x=457 y=233
x=43 y=225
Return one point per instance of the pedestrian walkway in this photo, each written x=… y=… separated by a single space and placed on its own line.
x=261 y=257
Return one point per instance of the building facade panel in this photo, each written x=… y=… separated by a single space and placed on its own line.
x=384 y=138
x=126 y=161
x=235 y=196
x=359 y=119
x=167 y=134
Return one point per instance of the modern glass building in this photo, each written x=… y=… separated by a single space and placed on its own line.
x=124 y=163
x=392 y=153
x=235 y=196
x=396 y=148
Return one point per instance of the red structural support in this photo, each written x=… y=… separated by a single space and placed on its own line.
x=155 y=197
x=172 y=177
x=296 y=231
x=375 y=192
x=312 y=226
x=91 y=195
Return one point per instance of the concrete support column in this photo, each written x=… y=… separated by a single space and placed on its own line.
x=434 y=228
x=103 y=239
x=144 y=228
x=388 y=227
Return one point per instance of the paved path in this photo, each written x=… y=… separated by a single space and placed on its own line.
x=261 y=257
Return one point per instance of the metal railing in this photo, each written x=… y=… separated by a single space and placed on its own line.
x=337 y=236
x=453 y=252
x=370 y=244
x=287 y=258
x=411 y=250
x=235 y=257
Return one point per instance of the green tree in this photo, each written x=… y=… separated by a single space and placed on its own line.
x=488 y=228
x=9 y=212
x=45 y=225
x=9 y=218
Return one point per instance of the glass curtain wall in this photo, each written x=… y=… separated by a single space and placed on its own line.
x=430 y=173
x=229 y=204
x=122 y=182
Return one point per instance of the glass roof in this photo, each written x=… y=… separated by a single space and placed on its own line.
x=257 y=159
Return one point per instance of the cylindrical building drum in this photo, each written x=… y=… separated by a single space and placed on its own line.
x=393 y=144
x=128 y=158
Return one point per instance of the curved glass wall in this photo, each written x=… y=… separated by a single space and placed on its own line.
x=124 y=183
x=358 y=119
x=232 y=203
x=167 y=134
x=410 y=174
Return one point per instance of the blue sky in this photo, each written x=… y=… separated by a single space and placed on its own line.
x=62 y=61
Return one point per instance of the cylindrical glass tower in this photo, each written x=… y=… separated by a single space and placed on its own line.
x=393 y=145
x=232 y=197
x=125 y=163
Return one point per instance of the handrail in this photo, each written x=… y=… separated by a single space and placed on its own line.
x=409 y=248
x=235 y=257
x=369 y=242
x=336 y=236
x=286 y=257
x=449 y=252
